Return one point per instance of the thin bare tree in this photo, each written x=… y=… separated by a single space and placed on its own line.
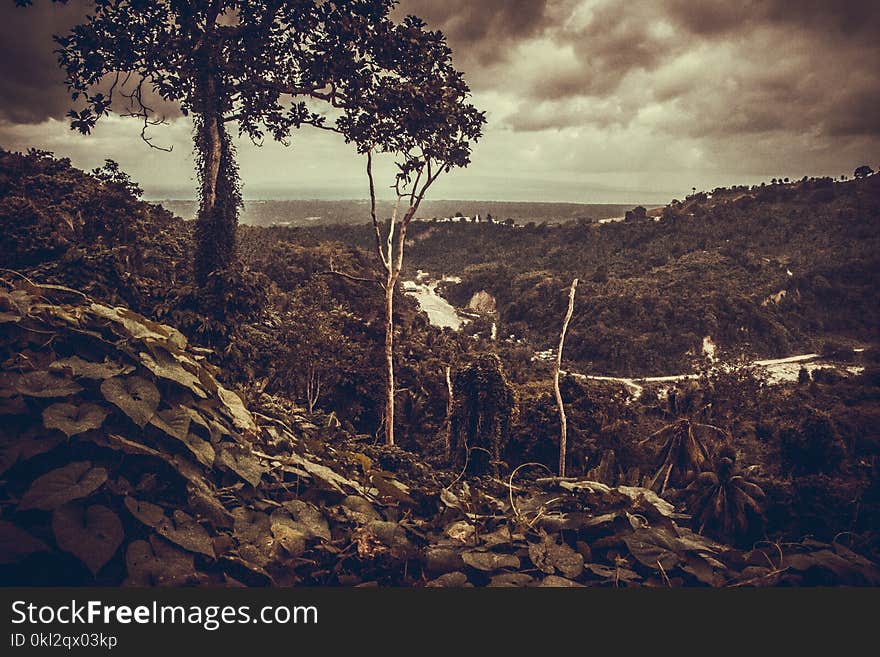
x=563 y=427
x=312 y=387
x=431 y=136
x=390 y=251
x=450 y=402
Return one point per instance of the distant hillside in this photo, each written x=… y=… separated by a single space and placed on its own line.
x=766 y=272
x=311 y=212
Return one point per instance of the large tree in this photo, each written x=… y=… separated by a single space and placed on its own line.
x=261 y=64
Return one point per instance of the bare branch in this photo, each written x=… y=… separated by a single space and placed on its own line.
x=415 y=186
x=376 y=228
x=138 y=109
x=333 y=272
x=563 y=430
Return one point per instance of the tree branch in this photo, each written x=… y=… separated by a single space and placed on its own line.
x=357 y=279
x=376 y=228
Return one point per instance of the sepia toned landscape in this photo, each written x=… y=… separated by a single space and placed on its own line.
x=516 y=294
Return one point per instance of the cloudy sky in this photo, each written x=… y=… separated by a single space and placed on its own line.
x=587 y=101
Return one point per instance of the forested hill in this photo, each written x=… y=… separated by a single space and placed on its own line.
x=770 y=271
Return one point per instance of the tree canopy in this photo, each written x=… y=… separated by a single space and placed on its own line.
x=270 y=66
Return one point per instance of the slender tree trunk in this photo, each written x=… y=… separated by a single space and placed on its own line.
x=450 y=401
x=390 y=282
x=392 y=264
x=563 y=428
x=313 y=388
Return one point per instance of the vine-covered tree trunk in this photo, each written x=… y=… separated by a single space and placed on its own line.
x=484 y=407
x=217 y=220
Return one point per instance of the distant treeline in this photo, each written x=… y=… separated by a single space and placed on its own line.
x=312 y=212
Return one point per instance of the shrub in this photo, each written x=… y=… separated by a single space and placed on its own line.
x=814 y=446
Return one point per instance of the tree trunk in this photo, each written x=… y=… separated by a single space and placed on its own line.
x=450 y=401
x=390 y=282
x=563 y=428
x=217 y=220
x=211 y=144
x=313 y=388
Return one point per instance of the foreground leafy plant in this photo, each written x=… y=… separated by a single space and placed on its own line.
x=725 y=502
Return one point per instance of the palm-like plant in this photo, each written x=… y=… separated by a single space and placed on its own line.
x=684 y=454
x=724 y=501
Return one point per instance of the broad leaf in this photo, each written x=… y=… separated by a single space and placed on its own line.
x=653 y=548
x=490 y=561
x=180 y=529
x=325 y=474
x=92 y=534
x=173 y=421
x=139 y=327
x=73 y=481
x=204 y=504
x=554 y=581
x=44 y=384
x=158 y=563
x=134 y=395
x=242 y=463
x=26 y=447
x=451 y=580
x=612 y=574
x=703 y=571
x=86 y=369
x=72 y=418
x=253 y=531
x=292 y=540
x=13 y=405
x=16 y=544
x=307 y=518
x=176 y=422
x=201 y=449
x=8 y=384
x=511 y=580
x=550 y=557
x=165 y=366
x=240 y=416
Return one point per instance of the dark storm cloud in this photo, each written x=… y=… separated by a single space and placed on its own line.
x=712 y=67
x=31 y=84
x=660 y=92
x=482 y=31
x=855 y=19
x=859 y=113
x=615 y=42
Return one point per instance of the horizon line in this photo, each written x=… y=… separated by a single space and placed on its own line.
x=388 y=200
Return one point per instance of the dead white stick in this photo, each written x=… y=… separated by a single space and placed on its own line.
x=563 y=429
